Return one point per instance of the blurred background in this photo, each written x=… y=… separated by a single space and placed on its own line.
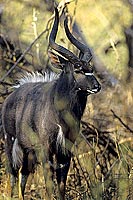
x=102 y=167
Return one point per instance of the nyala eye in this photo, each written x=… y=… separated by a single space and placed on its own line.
x=77 y=65
x=90 y=69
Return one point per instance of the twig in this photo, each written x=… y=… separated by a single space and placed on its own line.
x=21 y=67
x=123 y=123
x=22 y=56
x=84 y=173
x=61 y=5
x=6 y=83
x=112 y=166
x=34 y=23
x=86 y=140
x=4 y=93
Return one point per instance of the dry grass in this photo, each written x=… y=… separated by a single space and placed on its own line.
x=95 y=172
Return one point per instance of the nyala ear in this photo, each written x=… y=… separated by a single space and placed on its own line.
x=56 y=60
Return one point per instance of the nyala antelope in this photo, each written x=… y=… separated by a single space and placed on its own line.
x=41 y=118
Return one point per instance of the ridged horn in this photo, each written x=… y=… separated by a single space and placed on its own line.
x=61 y=50
x=84 y=50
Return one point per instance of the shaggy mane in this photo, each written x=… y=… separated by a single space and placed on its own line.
x=35 y=77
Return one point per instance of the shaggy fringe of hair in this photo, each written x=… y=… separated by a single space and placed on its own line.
x=17 y=155
x=60 y=143
x=35 y=77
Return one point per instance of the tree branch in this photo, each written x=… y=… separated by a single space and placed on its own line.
x=123 y=123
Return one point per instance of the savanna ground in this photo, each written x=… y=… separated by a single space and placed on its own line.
x=102 y=165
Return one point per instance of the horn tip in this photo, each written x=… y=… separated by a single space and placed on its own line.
x=56 y=8
x=55 y=5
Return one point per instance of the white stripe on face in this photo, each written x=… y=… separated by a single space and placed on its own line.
x=89 y=74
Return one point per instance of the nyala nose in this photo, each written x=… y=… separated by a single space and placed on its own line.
x=97 y=87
